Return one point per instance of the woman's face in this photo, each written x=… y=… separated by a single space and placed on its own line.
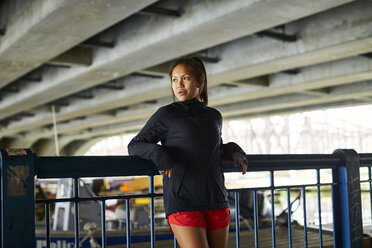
x=184 y=83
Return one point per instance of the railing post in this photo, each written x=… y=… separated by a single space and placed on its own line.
x=17 y=198
x=152 y=210
x=347 y=210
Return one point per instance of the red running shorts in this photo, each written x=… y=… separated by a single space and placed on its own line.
x=210 y=219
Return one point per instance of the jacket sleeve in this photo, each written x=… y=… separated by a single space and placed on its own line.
x=227 y=150
x=144 y=144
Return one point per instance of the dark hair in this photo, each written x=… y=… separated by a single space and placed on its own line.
x=198 y=69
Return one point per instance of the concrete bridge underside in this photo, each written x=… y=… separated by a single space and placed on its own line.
x=103 y=64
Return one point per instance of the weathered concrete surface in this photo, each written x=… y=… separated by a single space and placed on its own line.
x=79 y=146
x=169 y=39
x=338 y=94
x=249 y=80
x=254 y=56
x=138 y=89
x=321 y=76
x=76 y=56
x=344 y=93
x=44 y=29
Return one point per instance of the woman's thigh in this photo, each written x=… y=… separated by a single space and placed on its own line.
x=218 y=227
x=190 y=237
x=218 y=238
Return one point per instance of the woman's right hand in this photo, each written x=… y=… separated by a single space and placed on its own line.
x=167 y=173
x=240 y=159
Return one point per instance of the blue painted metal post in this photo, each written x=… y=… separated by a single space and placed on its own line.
x=175 y=244
x=103 y=224
x=289 y=217
x=237 y=218
x=76 y=212
x=347 y=211
x=152 y=210
x=305 y=219
x=272 y=209
x=17 y=198
x=47 y=224
x=255 y=218
x=127 y=222
x=319 y=209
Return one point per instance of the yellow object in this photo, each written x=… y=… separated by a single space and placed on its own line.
x=142 y=183
x=142 y=201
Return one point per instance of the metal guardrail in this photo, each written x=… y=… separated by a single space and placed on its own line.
x=20 y=166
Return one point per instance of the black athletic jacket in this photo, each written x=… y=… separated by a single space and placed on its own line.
x=191 y=144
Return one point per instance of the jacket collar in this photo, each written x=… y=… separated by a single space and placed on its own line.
x=191 y=104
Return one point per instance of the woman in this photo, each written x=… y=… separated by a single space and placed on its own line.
x=189 y=157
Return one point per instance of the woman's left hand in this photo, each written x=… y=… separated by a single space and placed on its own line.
x=167 y=173
x=241 y=160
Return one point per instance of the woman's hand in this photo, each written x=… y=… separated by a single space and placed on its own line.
x=241 y=160
x=167 y=173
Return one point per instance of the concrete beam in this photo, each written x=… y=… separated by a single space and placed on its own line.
x=136 y=112
x=45 y=29
x=44 y=147
x=357 y=91
x=158 y=70
x=342 y=32
x=345 y=95
x=77 y=56
x=318 y=77
x=245 y=51
x=77 y=126
x=332 y=105
x=100 y=132
x=42 y=118
x=314 y=81
x=40 y=137
x=79 y=147
x=20 y=143
x=348 y=32
x=164 y=37
x=104 y=100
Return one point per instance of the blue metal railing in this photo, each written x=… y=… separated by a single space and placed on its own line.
x=19 y=166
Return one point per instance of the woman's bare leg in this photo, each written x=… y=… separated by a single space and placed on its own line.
x=190 y=237
x=218 y=238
